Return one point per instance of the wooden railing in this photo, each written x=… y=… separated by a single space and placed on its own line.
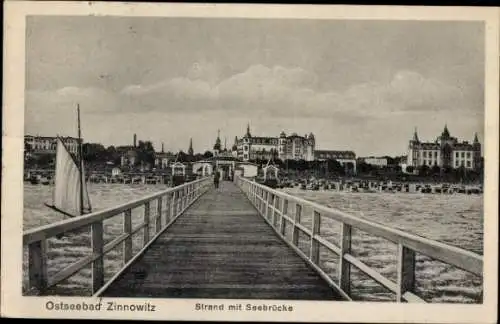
x=170 y=203
x=274 y=205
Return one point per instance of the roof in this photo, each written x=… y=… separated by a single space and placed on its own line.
x=317 y=152
x=203 y=161
x=247 y=163
x=164 y=155
x=51 y=137
x=221 y=158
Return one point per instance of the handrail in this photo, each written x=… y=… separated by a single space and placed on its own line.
x=273 y=206
x=171 y=203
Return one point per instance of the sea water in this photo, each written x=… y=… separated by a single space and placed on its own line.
x=453 y=219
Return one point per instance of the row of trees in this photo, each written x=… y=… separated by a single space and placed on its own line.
x=98 y=154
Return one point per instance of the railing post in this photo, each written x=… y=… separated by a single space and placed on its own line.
x=261 y=200
x=167 y=209
x=266 y=204
x=178 y=202
x=344 y=266
x=172 y=205
x=269 y=204
x=182 y=198
x=38 y=265
x=147 y=211
x=296 y=220
x=257 y=198
x=97 y=234
x=127 y=229
x=158 y=216
x=284 y=211
x=275 y=207
x=406 y=271
x=314 y=250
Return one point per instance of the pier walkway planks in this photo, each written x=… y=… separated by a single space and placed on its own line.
x=221 y=248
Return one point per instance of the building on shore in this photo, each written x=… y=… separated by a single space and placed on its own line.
x=445 y=151
x=282 y=147
x=291 y=147
x=346 y=158
x=40 y=145
x=375 y=161
x=162 y=158
x=128 y=153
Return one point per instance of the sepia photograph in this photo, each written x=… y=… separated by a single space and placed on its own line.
x=247 y=164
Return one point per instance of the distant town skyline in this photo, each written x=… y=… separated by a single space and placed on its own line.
x=356 y=85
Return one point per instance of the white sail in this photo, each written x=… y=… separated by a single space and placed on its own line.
x=67 y=192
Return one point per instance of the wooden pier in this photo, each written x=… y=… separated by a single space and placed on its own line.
x=243 y=240
x=220 y=248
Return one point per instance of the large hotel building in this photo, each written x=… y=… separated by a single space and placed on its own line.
x=283 y=147
x=445 y=151
x=48 y=144
x=293 y=147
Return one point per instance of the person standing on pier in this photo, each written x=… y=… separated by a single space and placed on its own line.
x=216 y=179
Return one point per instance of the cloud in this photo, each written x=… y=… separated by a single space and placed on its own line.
x=283 y=91
x=278 y=91
x=60 y=100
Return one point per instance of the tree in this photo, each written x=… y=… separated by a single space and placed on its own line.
x=423 y=170
x=336 y=167
x=364 y=168
x=301 y=165
x=145 y=153
x=182 y=157
x=45 y=160
x=207 y=155
x=410 y=169
x=113 y=155
x=349 y=167
x=27 y=151
x=94 y=152
x=435 y=170
x=461 y=173
x=197 y=157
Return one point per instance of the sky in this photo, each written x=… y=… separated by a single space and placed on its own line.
x=355 y=84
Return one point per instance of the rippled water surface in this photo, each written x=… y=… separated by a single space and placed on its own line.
x=452 y=219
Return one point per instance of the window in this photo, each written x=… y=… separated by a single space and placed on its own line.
x=468 y=155
x=424 y=154
x=456 y=163
x=468 y=164
x=463 y=155
x=435 y=154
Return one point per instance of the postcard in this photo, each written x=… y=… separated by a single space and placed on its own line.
x=215 y=162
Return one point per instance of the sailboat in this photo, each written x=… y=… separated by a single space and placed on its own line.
x=70 y=196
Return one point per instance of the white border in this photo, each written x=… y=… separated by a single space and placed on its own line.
x=13 y=304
